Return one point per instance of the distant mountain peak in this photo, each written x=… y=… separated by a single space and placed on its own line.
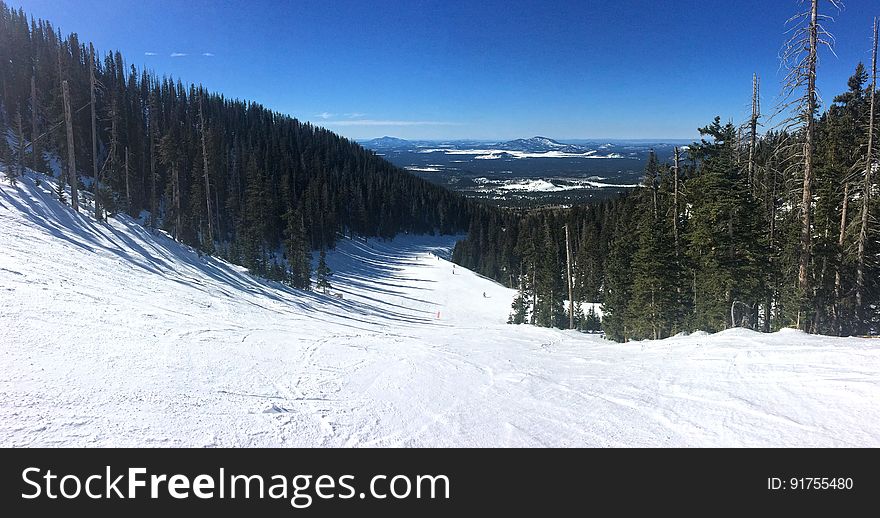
x=548 y=140
x=538 y=143
x=385 y=142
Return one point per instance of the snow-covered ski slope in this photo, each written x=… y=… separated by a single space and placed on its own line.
x=113 y=336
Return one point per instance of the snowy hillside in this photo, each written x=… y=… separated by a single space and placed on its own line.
x=111 y=335
x=539 y=144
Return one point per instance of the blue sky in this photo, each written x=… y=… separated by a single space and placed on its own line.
x=487 y=70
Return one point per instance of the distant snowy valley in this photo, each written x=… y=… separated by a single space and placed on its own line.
x=526 y=171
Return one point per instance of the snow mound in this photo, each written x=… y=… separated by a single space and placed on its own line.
x=112 y=335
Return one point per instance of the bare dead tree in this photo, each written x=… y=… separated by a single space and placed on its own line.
x=71 y=153
x=61 y=175
x=127 y=183
x=35 y=130
x=18 y=170
x=866 y=189
x=800 y=55
x=808 y=115
x=217 y=204
x=153 y=135
x=94 y=131
x=175 y=178
x=753 y=130
x=207 y=178
x=841 y=241
x=739 y=146
x=675 y=211
x=114 y=144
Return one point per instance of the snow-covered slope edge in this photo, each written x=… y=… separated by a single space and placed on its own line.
x=111 y=335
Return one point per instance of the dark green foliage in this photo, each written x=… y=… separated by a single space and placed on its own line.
x=591 y=322
x=725 y=248
x=262 y=164
x=705 y=247
x=522 y=303
x=618 y=286
x=525 y=249
x=297 y=252
x=653 y=303
x=323 y=273
x=724 y=255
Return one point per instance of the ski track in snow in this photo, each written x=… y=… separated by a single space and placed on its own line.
x=111 y=335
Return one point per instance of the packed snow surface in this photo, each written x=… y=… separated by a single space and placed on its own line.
x=111 y=335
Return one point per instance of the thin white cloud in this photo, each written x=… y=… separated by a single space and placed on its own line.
x=355 y=115
x=208 y=54
x=326 y=115
x=372 y=122
x=150 y=54
x=178 y=54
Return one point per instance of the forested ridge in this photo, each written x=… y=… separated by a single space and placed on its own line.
x=767 y=224
x=742 y=228
x=667 y=259
x=229 y=177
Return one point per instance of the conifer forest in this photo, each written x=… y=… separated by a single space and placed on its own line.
x=766 y=223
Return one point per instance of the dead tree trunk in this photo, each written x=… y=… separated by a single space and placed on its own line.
x=808 y=114
x=739 y=147
x=866 y=190
x=114 y=139
x=175 y=178
x=71 y=153
x=154 y=200
x=217 y=204
x=841 y=240
x=127 y=184
x=207 y=178
x=675 y=211
x=94 y=132
x=62 y=178
x=753 y=130
x=35 y=131
x=770 y=197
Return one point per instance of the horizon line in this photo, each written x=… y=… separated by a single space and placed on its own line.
x=558 y=139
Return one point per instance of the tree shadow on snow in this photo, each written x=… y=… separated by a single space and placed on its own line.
x=366 y=274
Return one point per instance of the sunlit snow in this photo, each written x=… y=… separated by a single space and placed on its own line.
x=115 y=336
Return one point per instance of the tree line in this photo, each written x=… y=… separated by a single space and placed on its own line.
x=742 y=228
x=228 y=177
x=759 y=230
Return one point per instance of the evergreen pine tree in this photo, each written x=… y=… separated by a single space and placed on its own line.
x=653 y=304
x=323 y=273
x=520 y=306
x=617 y=288
x=724 y=238
x=591 y=321
x=297 y=252
x=549 y=309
